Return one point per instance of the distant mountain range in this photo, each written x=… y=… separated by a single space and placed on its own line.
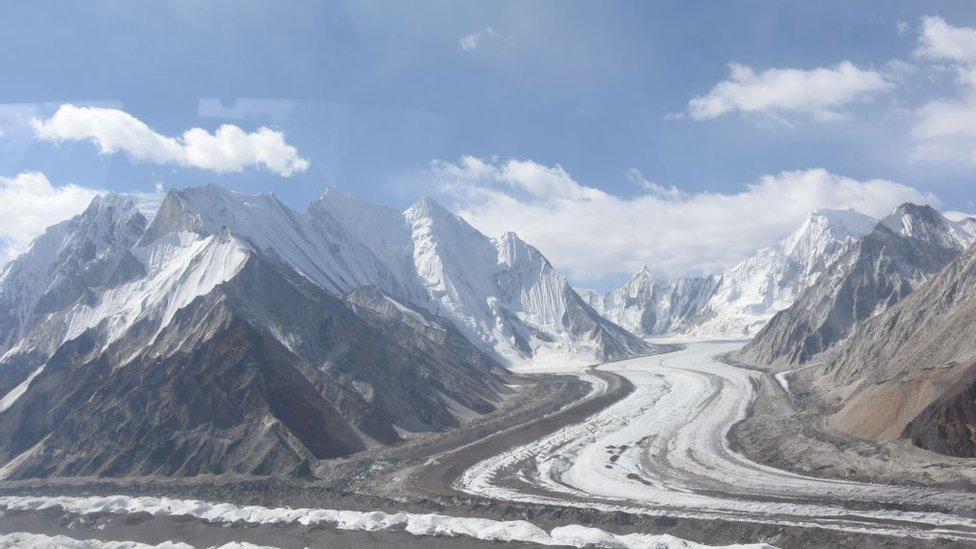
x=739 y=301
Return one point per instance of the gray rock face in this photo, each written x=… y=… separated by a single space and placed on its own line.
x=68 y=264
x=264 y=374
x=899 y=254
x=909 y=371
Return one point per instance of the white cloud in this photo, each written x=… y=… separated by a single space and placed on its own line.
x=653 y=187
x=229 y=149
x=945 y=128
x=593 y=234
x=818 y=92
x=29 y=203
x=941 y=41
x=485 y=36
x=955 y=215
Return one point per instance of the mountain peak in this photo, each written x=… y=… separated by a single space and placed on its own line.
x=917 y=211
x=511 y=236
x=924 y=222
x=109 y=200
x=843 y=222
x=427 y=207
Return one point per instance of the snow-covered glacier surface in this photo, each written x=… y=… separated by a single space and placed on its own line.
x=663 y=451
x=412 y=523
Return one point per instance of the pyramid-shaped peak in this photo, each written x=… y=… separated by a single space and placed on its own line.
x=428 y=207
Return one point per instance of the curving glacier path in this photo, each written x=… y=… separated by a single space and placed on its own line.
x=663 y=450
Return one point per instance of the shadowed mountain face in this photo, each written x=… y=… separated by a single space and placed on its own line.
x=234 y=334
x=909 y=371
x=265 y=373
x=898 y=255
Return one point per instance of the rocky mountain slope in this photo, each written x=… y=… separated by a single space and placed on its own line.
x=233 y=334
x=213 y=356
x=910 y=371
x=902 y=251
x=744 y=297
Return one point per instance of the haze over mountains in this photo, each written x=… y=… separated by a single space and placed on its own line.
x=739 y=301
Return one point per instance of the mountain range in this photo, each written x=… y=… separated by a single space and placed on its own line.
x=900 y=253
x=740 y=300
x=231 y=333
x=234 y=334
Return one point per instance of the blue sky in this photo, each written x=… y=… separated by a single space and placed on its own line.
x=373 y=95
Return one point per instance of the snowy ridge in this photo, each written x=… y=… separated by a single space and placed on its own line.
x=416 y=524
x=179 y=268
x=745 y=296
x=313 y=242
x=504 y=293
x=751 y=292
x=924 y=223
x=82 y=251
x=27 y=540
x=501 y=293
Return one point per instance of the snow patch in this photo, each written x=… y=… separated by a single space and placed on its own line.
x=27 y=540
x=416 y=524
x=12 y=395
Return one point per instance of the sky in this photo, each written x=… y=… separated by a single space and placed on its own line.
x=611 y=135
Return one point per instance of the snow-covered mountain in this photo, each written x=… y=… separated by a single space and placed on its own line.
x=505 y=294
x=68 y=262
x=900 y=253
x=651 y=305
x=744 y=297
x=502 y=294
x=184 y=348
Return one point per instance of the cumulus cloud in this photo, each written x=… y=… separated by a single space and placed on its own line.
x=484 y=37
x=593 y=234
x=29 y=203
x=818 y=92
x=229 y=149
x=945 y=128
x=941 y=41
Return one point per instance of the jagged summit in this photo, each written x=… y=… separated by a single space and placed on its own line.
x=740 y=300
x=68 y=261
x=900 y=253
x=923 y=222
